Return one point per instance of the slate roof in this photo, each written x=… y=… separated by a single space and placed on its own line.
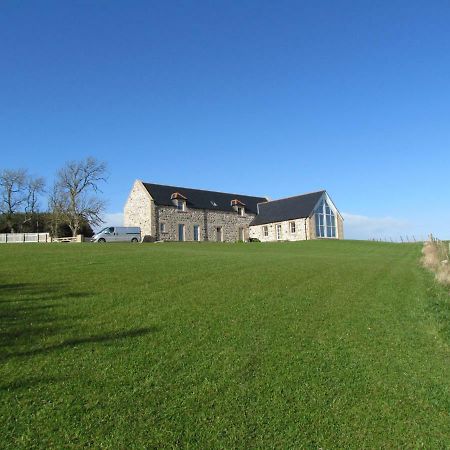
x=200 y=199
x=290 y=208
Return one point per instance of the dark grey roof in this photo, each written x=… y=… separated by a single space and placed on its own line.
x=200 y=199
x=290 y=208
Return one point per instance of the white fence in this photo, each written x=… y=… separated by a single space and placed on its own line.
x=78 y=238
x=20 y=238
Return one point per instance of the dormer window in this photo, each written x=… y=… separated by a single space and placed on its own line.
x=179 y=201
x=238 y=206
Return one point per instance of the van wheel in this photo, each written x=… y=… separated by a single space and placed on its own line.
x=134 y=240
x=101 y=240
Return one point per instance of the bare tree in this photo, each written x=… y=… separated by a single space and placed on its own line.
x=57 y=205
x=76 y=190
x=12 y=192
x=34 y=188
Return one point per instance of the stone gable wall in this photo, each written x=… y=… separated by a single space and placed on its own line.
x=312 y=227
x=139 y=210
x=340 y=227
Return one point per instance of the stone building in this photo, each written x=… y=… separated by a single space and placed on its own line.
x=299 y=218
x=170 y=213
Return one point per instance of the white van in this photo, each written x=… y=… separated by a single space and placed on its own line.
x=118 y=234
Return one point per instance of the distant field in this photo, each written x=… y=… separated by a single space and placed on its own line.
x=313 y=344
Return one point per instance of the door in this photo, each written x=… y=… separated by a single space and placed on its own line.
x=112 y=237
x=219 y=234
x=196 y=233
x=180 y=232
x=278 y=231
x=242 y=234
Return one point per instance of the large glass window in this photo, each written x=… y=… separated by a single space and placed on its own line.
x=325 y=220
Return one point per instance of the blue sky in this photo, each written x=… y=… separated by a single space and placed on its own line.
x=263 y=98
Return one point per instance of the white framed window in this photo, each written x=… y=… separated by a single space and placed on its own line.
x=265 y=231
x=278 y=229
x=325 y=220
x=180 y=205
x=240 y=211
x=196 y=233
x=181 y=232
x=292 y=227
x=162 y=227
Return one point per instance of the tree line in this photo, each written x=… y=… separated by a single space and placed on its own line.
x=73 y=202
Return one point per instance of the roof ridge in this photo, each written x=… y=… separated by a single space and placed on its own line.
x=203 y=190
x=295 y=196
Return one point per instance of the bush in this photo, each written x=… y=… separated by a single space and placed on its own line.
x=436 y=258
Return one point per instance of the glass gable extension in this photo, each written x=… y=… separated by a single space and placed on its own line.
x=325 y=220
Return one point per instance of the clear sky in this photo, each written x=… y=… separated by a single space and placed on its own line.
x=265 y=98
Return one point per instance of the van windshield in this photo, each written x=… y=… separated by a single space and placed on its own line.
x=107 y=230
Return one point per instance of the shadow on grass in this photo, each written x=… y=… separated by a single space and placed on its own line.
x=26 y=383
x=75 y=342
x=31 y=314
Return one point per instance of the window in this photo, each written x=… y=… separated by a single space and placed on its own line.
x=240 y=211
x=325 y=220
x=180 y=205
x=107 y=230
x=266 y=231
x=292 y=227
x=196 y=233
x=162 y=227
x=180 y=232
x=278 y=228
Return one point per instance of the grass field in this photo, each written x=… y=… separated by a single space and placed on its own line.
x=313 y=344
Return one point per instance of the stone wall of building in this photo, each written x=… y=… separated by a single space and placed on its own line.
x=139 y=210
x=312 y=227
x=300 y=234
x=305 y=229
x=208 y=222
x=340 y=226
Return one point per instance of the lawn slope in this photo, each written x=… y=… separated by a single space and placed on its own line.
x=313 y=344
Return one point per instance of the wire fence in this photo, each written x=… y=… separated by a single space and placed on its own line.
x=398 y=239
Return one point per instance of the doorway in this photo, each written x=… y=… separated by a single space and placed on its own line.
x=219 y=234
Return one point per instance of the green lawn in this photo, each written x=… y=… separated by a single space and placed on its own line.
x=313 y=344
